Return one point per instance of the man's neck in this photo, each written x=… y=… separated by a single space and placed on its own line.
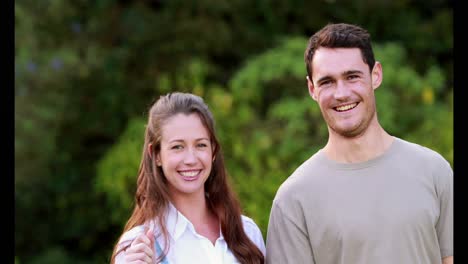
x=372 y=143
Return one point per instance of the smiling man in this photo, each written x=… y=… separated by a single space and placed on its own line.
x=366 y=196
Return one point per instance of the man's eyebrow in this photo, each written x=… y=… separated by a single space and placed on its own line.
x=352 y=72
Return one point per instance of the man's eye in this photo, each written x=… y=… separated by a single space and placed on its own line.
x=325 y=83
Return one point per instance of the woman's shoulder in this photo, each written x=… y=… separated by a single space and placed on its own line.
x=250 y=227
x=249 y=222
x=253 y=232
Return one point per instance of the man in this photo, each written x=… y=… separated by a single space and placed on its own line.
x=367 y=196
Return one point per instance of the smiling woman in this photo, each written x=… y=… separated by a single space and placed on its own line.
x=185 y=211
x=186 y=155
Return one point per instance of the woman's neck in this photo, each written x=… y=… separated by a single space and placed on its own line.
x=196 y=210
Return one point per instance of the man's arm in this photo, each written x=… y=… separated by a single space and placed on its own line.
x=447 y=260
x=287 y=242
x=444 y=226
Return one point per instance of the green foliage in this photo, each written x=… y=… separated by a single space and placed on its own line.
x=56 y=255
x=40 y=96
x=436 y=131
x=56 y=121
x=118 y=170
x=411 y=105
x=275 y=64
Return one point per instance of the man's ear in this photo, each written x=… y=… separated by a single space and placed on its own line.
x=377 y=75
x=311 y=88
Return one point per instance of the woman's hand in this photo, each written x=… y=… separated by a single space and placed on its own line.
x=141 y=249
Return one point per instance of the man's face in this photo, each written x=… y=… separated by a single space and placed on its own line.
x=344 y=89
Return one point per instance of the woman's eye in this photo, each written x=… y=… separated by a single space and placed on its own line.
x=202 y=145
x=177 y=147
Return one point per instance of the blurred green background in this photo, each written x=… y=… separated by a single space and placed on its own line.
x=86 y=73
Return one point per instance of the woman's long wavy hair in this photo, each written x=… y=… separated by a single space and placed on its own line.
x=152 y=195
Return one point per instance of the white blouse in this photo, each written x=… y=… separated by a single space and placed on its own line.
x=187 y=246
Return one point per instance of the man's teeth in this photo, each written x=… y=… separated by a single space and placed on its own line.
x=346 y=107
x=189 y=173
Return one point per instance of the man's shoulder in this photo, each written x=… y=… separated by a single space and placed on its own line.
x=300 y=177
x=424 y=158
x=418 y=151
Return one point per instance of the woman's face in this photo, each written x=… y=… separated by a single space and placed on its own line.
x=186 y=155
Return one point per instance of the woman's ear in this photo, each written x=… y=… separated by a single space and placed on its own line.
x=157 y=156
x=150 y=149
x=213 y=150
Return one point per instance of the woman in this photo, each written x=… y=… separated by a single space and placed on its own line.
x=185 y=211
